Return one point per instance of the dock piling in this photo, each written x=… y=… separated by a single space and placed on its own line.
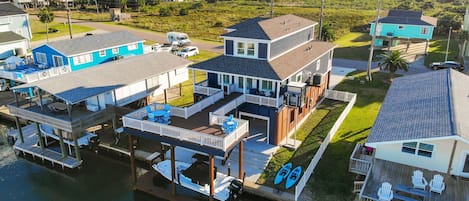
x=62 y=145
x=77 y=148
x=39 y=136
x=18 y=126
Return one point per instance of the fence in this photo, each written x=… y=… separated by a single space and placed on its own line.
x=36 y=75
x=335 y=95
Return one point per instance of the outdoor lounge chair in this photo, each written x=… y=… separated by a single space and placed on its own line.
x=437 y=184
x=150 y=114
x=418 y=180
x=384 y=192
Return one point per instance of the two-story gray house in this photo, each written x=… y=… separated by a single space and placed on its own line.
x=278 y=68
x=15 y=31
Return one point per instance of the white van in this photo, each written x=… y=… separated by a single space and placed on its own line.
x=178 y=38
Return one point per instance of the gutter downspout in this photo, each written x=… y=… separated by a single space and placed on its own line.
x=455 y=143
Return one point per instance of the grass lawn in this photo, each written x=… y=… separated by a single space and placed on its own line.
x=437 y=50
x=331 y=179
x=39 y=29
x=187 y=97
x=313 y=132
x=354 y=45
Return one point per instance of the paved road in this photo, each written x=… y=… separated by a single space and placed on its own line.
x=415 y=67
x=148 y=35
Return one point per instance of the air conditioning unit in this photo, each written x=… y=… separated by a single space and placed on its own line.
x=294 y=99
x=317 y=80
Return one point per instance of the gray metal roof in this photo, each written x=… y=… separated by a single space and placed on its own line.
x=79 y=85
x=427 y=105
x=408 y=17
x=278 y=69
x=269 y=28
x=94 y=42
x=10 y=36
x=7 y=8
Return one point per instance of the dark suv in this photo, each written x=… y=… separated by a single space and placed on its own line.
x=447 y=64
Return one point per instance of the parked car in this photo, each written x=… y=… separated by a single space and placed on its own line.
x=164 y=47
x=178 y=38
x=188 y=51
x=447 y=64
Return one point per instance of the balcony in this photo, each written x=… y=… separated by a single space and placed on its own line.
x=30 y=73
x=360 y=160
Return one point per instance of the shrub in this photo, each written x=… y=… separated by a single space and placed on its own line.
x=53 y=30
x=197 y=5
x=218 y=24
x=164 y=12
x=183 y=11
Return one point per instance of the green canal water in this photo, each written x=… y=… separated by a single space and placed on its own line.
x=100 y=179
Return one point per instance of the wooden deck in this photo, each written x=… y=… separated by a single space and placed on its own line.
x=200 y=121
x=30 y=147
x=384 y=171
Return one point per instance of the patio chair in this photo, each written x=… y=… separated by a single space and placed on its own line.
x=384 y=192
x=418 y=180
x=437 y=184
x=150 y=114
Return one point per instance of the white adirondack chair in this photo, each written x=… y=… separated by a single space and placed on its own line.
x=418 y=180
x=384 y=192
x=437 y=184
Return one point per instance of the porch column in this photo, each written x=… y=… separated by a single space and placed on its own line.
x=40 y=100
x=211 y=177
x=62 y=145
x=20 y=130
x=69 y=110
x=180 y=89
x=165 y=97
x=77 y=148
x=132 y=160
x=244 y=85
x=278 y=89
x=193 y=77
x=39 y=136
x=241 y=160
x=114 y=124
x=173 y=170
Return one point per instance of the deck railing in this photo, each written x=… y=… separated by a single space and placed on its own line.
x=359 y=162
x=202 y=88
x=351 y=98
x=135 y=120
x=36 y=75
x=263 y=100
x=362 y=197
x=230 y=106
x=186 y=112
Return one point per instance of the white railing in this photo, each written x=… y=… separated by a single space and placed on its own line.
x=349 y=97
x=262 y=100
x=36 y=75
x=360 y=195
x=208 y=91
x=187 y=112
x=243 y=127
x=135 y=120
x=359 y=163
x=230 y=106
x=340 y=95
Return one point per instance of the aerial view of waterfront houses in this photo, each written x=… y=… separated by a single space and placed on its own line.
x=108 y=94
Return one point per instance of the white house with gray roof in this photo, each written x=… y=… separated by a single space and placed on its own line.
x=89 y=51
x=277 y=65
x=15 y=31
x=422 y=124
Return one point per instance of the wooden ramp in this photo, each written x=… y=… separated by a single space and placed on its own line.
x=30 y=147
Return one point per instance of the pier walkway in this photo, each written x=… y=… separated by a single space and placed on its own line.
x=30 y=147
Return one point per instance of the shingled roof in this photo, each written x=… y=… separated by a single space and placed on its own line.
x=93 y=43
x=7 y=8
x=278 y=69
x=77 y=86
x=408 y=17
x=423 y=106
x=269 y=29
x=10 y=36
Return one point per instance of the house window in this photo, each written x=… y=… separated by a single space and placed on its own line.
x=226 y=79
x=240 y=49
x=115 y=50
x=421 y=149
x=318 y=65
x=298 y=77
x=251 y=49
x=401 y=27
x=58 y=60
x=132 y=46
x=81 y=59
x=41 y=58
x=266 y=85
x=249 y=83
x=240 y=82
x=102 y=53
x=424 y=30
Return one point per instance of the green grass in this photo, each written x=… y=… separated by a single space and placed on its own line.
x=437 y=50
x=331 y=180
x=187 y=97
x=39 y=29
x=354 y=45
x=329 y=111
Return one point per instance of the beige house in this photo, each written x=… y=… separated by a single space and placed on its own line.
x=422 y=125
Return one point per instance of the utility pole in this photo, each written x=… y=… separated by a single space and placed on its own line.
x=373 y=38
x=271 y=8
x=447 y=44
x=97 y=7
x=69 y=20
x=320 y=20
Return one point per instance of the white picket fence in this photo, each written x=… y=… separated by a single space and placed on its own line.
x=334 y=95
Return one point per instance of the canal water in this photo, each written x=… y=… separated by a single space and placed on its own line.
x=100 y=179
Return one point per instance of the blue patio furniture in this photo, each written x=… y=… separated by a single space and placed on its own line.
x=229 y=125
x=150 y=114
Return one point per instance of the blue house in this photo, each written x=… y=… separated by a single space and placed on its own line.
x=278 y=69
x=403 y=25
x=84 y=52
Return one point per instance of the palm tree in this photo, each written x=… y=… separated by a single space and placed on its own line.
x=394 y=61
x=45 y=16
